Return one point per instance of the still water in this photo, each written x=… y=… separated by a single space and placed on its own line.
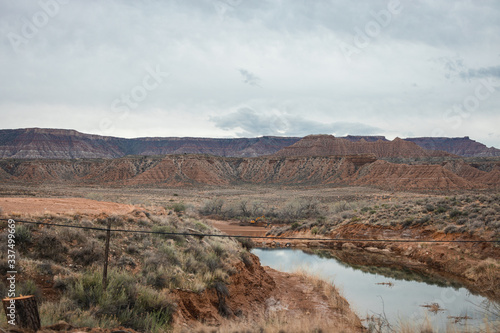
x=400 y=299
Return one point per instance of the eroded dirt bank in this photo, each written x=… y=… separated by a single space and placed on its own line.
x=257 y=296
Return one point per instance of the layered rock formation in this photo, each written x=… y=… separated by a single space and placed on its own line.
x=195 y=170
x=67 y=144
x=328 y=145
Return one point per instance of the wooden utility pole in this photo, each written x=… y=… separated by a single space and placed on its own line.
x=22 y=312
x=106 y=255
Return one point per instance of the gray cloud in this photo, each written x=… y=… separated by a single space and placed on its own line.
x=250 y=78
x=455 y=67
x=71 y=70
x=250 y=123
x=483 y=72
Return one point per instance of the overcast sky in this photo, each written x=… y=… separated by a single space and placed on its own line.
x=247 y=68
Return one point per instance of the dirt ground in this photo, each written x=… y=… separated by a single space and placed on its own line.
x=233 y=228
x=40 y=206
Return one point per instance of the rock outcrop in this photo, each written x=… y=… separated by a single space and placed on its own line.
x=328 y=145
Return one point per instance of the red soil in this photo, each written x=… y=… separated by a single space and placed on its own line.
x=61 y=206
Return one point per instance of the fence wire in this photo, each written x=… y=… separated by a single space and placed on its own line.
x=274 y=238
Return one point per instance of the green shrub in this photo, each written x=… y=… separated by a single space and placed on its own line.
x=408 y=222
x=423 y=219
x=23 y=235
x=341 y=206
x=48 y=246
x=430 y=208
x=295 y=225
x=87 y=290
x=29 y=287
x=450 y=229
x=88 y=254
x=455 y=213
x=440 y=209
x=321 y=219
x=179 y=207
x=164 y=232
x=314 y=230
x=200 y=226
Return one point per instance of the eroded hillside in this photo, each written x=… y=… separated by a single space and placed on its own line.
x=192 y=170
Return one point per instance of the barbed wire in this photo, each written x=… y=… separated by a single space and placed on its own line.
x=274 y=238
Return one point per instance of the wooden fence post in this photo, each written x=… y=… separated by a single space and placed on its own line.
x=23 y=312
x=106 y=255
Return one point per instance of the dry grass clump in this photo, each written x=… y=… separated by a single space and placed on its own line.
x=488 y=271
x=279 y=322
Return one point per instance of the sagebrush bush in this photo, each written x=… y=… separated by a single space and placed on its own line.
x=87 y=254
x=178 y=207
x=29 y=287
x=23 y=235
x=72 y=235
x=48 y=246
x=441 y=209
x=454 y=213
x=165 y=233
x=450 y=229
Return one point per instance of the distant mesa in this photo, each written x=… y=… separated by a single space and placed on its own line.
x=69 y=157
x=41 y=143
x=459 y=146
x=38 y=143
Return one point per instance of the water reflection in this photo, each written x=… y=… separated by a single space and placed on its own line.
x=399 y=294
